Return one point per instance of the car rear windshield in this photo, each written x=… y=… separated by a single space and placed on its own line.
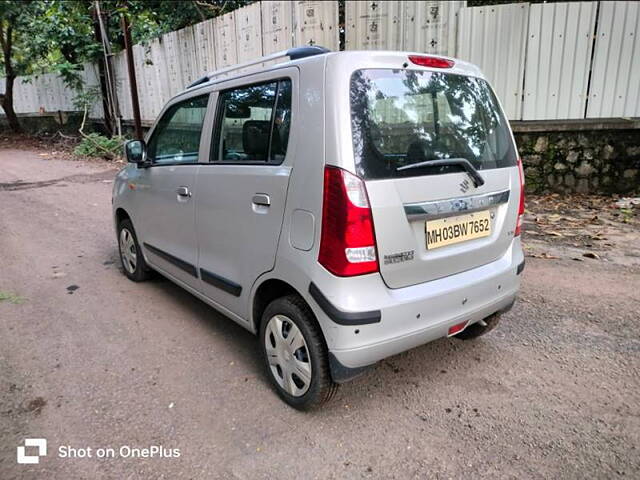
x=405 y=117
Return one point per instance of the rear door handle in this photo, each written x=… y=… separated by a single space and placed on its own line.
x=261 y=199
x=183 y=192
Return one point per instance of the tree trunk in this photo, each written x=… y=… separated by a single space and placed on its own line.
x=7 y=99
x=109 y=121
x=7 y=105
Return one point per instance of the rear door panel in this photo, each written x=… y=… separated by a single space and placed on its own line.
x=237 y=239
x=239 y=214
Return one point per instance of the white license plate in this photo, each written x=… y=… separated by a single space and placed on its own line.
x=460 y=228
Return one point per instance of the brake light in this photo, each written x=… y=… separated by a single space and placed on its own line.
x=347 y=243
x=433 y=62
x=521 y=200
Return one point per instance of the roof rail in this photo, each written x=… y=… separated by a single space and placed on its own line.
x=293 y=54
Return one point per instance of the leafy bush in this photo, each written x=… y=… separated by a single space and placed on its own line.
x=96 y=145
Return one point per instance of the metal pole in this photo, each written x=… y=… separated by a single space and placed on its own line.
x=132 y=77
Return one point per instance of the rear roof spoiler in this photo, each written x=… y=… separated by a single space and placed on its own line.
x=292 y=53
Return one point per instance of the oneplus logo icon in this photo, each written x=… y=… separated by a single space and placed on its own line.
x=41 y=443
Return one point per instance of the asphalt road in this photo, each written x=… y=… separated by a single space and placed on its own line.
x=90 y=359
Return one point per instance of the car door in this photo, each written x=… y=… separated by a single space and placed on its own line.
x=242 y=191
x=167 y=188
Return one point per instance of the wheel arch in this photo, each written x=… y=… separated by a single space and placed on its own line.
x=265 y=293
x=120 y=215
x=269 y=290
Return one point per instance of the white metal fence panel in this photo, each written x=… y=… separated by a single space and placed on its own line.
x=558 y=60
x=430 y=27
x=148 y=88
x=24 y=95
x=225 y=38
x=248 y=32
x=49 y=93
x=123 y=90
x=316 y=23
x=205 y=46
x=373 y=25
x=615 y=75
x=538 y=57
x=188 y=56
x=158 y=57
x=91 y=80
x=277 y=26
x=494 y=38
x=172 y=62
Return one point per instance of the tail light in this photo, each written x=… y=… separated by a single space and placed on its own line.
x=348 y=243
x=521 y=200
x=433 y=62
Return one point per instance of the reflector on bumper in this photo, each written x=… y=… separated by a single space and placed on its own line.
x=457 y=328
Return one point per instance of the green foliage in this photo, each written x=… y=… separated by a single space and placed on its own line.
x=86 y=97
x=11 y=297
x=41 y=36
x=59 y=35
x=96 y=145
x=151 y=18
x=15 y=20
x=66 y=26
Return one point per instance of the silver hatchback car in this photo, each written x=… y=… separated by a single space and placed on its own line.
x=343 y=206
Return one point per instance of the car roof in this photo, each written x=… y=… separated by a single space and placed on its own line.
x=348 y=60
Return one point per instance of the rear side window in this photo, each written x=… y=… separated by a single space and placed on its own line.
x=176 y=139
x=253 y=123
x=403 y=117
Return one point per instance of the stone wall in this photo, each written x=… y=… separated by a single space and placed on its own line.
x=585 y=161
x=49 y=122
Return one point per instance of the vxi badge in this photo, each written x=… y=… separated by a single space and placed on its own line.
x=398 y=257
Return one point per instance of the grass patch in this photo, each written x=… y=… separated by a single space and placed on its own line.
x=11 y=298
x=96 y=145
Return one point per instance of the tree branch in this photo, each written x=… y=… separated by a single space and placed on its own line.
x=202 y=16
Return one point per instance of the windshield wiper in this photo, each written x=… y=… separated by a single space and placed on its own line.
x=478 y=181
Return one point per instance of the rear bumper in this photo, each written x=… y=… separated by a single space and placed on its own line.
x=414 y=315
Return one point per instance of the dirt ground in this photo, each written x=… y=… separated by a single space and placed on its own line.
x=90 y=359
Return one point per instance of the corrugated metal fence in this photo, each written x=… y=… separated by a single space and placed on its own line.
x=557 y=61
x=496 y=38
x=49 y=93
x=615 y=75
x=546 y=61
x=166 y=65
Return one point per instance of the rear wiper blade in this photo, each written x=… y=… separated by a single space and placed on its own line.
x=478 y=181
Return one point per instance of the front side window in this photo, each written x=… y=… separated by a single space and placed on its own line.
x=253 y=123
x=404 y=117
x=176 y=139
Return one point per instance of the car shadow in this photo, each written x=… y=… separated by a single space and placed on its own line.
x=431 y=365
x=220 y=326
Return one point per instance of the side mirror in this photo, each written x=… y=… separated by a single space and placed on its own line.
x=136 y=152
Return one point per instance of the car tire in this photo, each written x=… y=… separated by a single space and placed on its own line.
x=301 y=375
x=131 y=257
x=477 y=329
